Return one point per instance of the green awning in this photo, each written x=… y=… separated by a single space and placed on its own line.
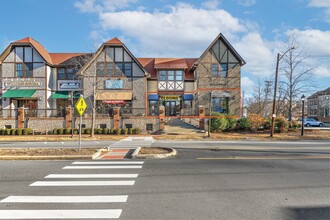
x=63 y=95
x=19 y=93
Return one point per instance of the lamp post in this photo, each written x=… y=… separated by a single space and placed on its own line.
x=302 y=114
x=279 y=57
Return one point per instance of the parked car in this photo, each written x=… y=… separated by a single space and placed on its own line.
x=312 y=122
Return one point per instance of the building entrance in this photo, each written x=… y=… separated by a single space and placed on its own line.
x=170 y=108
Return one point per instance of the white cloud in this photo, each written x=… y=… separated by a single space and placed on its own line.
x=315 y=42
x=102 y=5
x=247 y=85
x=325 y=4
x=212 y=4
x=319 y=3
x=166 y=33
x=322 y=71
x=247 y=3
x=257 y=54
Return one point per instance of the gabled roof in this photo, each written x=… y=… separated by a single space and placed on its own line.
x=228 y=45
x=319 y=93
x=59 y=58
x=152 y=64
x=30 y=41
x=114 y=41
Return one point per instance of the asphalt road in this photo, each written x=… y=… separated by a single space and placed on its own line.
x=197 y=184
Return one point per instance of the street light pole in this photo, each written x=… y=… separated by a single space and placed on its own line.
x=302 y=114
x=275 y=90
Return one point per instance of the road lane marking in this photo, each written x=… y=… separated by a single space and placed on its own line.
x=111 y=162
x=268 y=158
x=83 y=183
x=102 y=167
x=61 y=214
x=64 y=199
x=72 y=176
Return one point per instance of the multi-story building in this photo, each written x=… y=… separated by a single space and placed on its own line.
x=318 y=105
x=46 y=83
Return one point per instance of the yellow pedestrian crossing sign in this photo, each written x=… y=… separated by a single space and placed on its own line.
x=81 y=106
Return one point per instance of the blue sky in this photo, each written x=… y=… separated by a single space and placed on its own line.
x=258 y=29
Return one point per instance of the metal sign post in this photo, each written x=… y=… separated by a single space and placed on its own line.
x=80 y=107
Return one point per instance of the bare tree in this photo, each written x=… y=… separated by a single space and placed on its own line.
x=259 y=101
x=297 y=76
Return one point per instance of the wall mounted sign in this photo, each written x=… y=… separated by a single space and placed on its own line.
x=21 y=84
x=68 y=84
x=170 y=98
x=114 y=84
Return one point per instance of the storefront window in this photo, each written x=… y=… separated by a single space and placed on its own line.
x=106 y=107
x=220 y=104
x=153 y=108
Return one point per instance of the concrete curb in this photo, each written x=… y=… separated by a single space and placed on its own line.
x=156 y=156
x=61 y=157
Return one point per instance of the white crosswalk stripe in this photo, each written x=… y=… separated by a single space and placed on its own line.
x=83 y=183
x=102 y=167
x=77 y=179
x=61 y=214
x=90 y=176
x=110 y=162
x=64 y=199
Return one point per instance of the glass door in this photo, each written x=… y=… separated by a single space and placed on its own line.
x=170 y=108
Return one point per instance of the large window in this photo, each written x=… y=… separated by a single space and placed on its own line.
x=220 y=104
x=110 y=69
x=219 y=70
x=153 y=107
x=170 y=80
x=66 y=73
x=24 y=70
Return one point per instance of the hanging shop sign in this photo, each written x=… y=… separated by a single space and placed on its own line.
x=169 y=98
x=68 y=84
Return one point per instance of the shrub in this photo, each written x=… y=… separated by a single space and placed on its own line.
x=67 y=131
x=13 y=131
x=60 y=131
x=232 y=123
x=136 y=131
x=96 y=131
x=117 y=131
x=105 y=131
x=282 y=124
x=112 y=131
x=19 y=131
x=267 y=124
x=7 y=132
x=130 y=131
x=256 y=121
x=27 y=131
x=222 y=124
x=124 y=131
x=55 y=131
x=2 y=131
x=87 y=131
x=244 y=124
x=75 y=131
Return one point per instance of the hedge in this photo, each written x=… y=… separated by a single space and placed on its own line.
x=16 y=131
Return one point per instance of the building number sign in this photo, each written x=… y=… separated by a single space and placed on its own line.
x=81 y=106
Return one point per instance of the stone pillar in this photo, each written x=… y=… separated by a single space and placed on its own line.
x=201 y=113
x=161 y=117
x=116 y=117
x=20 y=117
x=68 y=117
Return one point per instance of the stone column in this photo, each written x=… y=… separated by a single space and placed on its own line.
x=116 y=117
x=161 y=117
x=68 y=117
x=20 y=117
x=201 y=112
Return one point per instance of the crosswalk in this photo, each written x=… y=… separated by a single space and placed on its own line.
x=60 y=204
